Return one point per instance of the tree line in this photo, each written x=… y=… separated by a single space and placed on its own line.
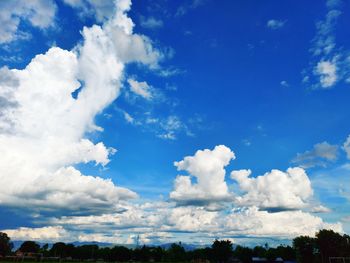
x=305 y=249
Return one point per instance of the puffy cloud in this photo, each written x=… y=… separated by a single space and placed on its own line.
x=275 y=24
x=254 y=222
x=192 y=219
x=319 y=156
x=161 y=222
x=48 y=234
x=150 y=22
x=274 y=191
x=327 y=71
x=140 y=88
x=39 y=13
x=207 y=166
x=43 y=126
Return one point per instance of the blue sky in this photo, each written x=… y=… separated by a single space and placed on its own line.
x=249 y=98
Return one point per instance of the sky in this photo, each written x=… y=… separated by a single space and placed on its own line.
x=165 y=121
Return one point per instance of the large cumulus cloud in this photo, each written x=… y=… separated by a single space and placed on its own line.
x=207 y=167
x=43 y=127
x=275 y=190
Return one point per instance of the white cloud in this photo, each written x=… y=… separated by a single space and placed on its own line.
x=346 y=147
x=284 y=84
x=161 y=221
x=275 y=24
x=253 y=222
x=207 y=166
x=48 y=234
x=140 y=88
x=43 y=128
x=150 y=22
x=330 y=64
x=201 y=218
x=128 y=117
x=275 y=190
x=320 y=209
x=39 y=13
x=102 y=10
x=327 y=72
x=324 y=41
x=170 y=126
x=319 y=156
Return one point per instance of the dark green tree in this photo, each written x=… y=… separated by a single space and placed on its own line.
x=305 y=248
x=176 y=253
x=62 y=250
x=331 y=244
x=157 y=254
x=5 y=244
x=221 y=250
x=244 y=254
x=259 y=251
x=119 y=253
x=29 y=246
x=286 y=252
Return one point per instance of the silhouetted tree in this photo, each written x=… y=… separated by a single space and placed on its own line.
x=244 y=254
x=259 y=251
x=221 y=250
x=332 y=244
x=176 y=253
x=286 y=252
x=45 y=250
x=63 y=250
x=200 y=253
x=29 y=246
x=5 y=244
x=157 y=254
x=119 y=253
x=305 y=248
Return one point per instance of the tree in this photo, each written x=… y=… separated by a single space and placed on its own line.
x=259 y=251
x=62 y=250
x=119 y=253
x=29 y=247
x=222 y=250
x=331 y=244
x=286 y=252
x=176 y=253
x=305 y=248
x=157 y=254
x=244 y=254
x=5 y=244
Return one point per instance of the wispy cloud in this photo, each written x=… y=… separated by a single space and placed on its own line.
x=320 y=155
x=141 y=88
x=329 y=63
x=188 y=5
x=150 y=22
x=275 y=24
